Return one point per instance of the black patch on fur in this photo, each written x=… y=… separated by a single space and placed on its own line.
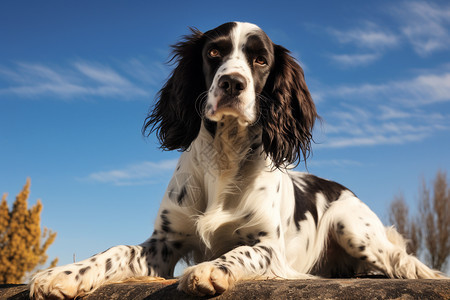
x=278 y=187
x=67 y=272
x=181 y=195
x=262 y=233
x=152 y=247
x=84 y=270
x=267 y=258
x=210 y=126
x=108 y=265
x=165 y=226
x=177 y=245
x=165 y=252
x=267 y=249
x=251 y=240
x=340 y=228
x=278 y=231
x=132 y=256
x=305 y=200
x=362 y=248
x=363 y=257
x=349 y=242
x=248 y=216
x=224 y=269
x=248 y=254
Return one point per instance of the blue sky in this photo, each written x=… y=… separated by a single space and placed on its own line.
x=77 y=79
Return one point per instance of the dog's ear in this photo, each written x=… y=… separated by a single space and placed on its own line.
x=176 y=114
x=288 y=112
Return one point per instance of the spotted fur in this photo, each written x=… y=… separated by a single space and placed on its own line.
x=238 y=107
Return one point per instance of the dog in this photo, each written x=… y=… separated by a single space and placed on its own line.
x=238 y=108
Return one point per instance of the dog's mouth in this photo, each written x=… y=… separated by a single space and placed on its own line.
x=228 y=107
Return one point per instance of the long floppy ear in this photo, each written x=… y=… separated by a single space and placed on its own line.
x=175 y=116
x=288 y=112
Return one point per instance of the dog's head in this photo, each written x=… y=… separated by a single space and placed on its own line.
x=235 y=70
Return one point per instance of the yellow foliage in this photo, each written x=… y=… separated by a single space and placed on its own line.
x=23 y=245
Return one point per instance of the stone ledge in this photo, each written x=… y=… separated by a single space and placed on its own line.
x=271 y=289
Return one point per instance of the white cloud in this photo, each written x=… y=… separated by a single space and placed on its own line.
x=395 y=112
x=101 y=74
x=148 y=72
x=372 y=140
x=79 y=79
x=389 y=113
x=135 y=174
x=352 y=60
x=334 y=163
x=367 y=36
x=425 y=25
x=421 y=90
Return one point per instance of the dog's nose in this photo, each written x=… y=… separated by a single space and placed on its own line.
x=232 y=84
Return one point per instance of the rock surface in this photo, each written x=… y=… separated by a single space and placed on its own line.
x=270 y=289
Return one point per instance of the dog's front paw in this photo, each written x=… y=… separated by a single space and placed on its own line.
x=206 y=279
x=65 y=282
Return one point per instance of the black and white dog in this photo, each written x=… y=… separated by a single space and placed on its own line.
x=238 y=107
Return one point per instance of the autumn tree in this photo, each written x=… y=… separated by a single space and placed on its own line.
x=434 y=208
x=399 y=216
x=428 y=232
x=22 y=242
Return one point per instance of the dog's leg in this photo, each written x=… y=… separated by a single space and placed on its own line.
x=155 y=257
x=243 y=262
x=362 y=235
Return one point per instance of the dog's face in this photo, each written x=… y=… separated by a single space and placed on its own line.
x=237 y=59
x=235 y=71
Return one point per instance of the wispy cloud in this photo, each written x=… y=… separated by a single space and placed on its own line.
x=425 y=25
x=422 y=24
x=77 y=79
x=367 y=36
x=370 y=41
x=352 y=60
x=420 y=90
x=149 y=72
x=395 y=112
x=146 y=172
x=334 y=163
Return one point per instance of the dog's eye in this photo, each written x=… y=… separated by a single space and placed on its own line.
x=260 y=60
x=214 y=53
